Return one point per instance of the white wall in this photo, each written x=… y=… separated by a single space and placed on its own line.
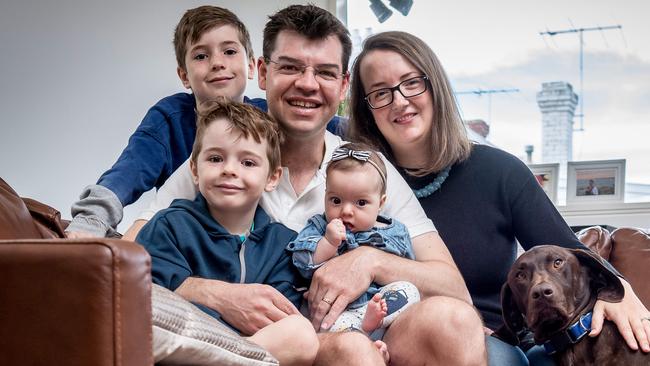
x=76 y=78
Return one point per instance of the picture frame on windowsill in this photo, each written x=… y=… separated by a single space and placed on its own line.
x=595 y=181
x=547 y=176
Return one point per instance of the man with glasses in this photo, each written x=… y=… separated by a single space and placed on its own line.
x=324 y=73
x=304 y=72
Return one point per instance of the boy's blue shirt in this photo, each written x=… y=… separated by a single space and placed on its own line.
x=185 y=240
x=161 y=143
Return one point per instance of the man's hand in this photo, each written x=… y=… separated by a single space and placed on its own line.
x=337 y=283
x=627 y=316
x=247 y=307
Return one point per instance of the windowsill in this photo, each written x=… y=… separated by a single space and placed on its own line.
x=618 y=214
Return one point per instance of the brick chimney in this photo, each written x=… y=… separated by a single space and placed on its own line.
x=557 y=102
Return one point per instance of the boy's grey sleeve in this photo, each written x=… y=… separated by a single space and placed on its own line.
x=97 y=212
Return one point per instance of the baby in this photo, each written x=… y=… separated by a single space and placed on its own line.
x=355 y=193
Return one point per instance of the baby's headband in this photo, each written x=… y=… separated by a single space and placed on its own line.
x=361 y=155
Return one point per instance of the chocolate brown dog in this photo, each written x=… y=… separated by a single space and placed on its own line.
x=552 y=290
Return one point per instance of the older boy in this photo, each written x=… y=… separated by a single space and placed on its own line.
x=224 y=236
x=215 y=58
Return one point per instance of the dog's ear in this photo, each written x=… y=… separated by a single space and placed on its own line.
x=603 y=281
x=512 y=317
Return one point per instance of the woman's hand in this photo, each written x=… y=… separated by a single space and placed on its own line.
x=630 y=317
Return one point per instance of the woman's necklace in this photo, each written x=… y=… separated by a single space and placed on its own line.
x=428 y=190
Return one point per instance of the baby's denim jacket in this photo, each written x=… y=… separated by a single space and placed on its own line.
x=393 y=238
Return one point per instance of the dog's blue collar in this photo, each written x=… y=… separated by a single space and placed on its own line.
x=572 y=335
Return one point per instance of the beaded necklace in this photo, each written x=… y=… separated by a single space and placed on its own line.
x=428 y=190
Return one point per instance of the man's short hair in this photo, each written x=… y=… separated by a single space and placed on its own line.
x=243 y=118
x=309 y=21
x=195 y=22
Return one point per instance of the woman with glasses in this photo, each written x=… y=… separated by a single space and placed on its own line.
x=481 y=199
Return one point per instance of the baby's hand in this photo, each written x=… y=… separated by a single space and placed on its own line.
x=335 y=232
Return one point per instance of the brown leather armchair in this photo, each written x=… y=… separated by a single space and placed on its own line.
x=628 y=250
x=65 y=301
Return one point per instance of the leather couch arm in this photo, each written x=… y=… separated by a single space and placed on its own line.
x=75 y=302
x=628 y=250
x=597 y=239
x=631 y=256
x=47 y=219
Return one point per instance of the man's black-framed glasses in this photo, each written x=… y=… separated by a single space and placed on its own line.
x=291 y=68
x=408 y=88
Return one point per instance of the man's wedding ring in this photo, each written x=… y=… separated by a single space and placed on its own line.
x=328 y=302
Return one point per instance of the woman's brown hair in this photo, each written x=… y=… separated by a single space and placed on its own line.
x=449 y=137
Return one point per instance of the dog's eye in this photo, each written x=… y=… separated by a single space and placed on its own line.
x=558 y=262
x=521 y=275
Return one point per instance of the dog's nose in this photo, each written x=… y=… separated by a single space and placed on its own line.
x=542 y=290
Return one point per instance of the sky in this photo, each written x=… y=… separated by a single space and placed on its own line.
x=496 y=45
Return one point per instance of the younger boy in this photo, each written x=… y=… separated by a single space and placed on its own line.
x=225 y=237
x=215 y=58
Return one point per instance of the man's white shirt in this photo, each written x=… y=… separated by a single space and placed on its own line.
x=284 y=206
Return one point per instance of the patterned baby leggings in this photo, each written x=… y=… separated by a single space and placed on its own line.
x=398 y=295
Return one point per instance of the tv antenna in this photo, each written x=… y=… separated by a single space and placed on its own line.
x=489 y=93
x=580 y=31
